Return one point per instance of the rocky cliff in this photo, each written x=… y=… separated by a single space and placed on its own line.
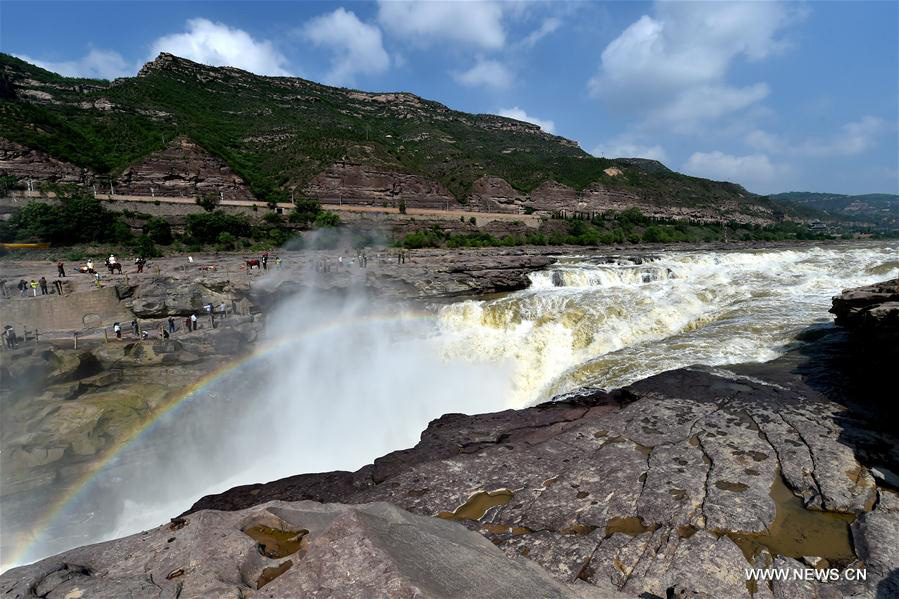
x=871 y=313
x=275 y=137
x=182 y=169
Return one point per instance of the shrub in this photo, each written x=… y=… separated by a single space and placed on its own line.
x=402 y=207
x=272 y=218
x=146 y=248
x=205 y=227
x=159 y=230
x=225 y=241
x=326 y=219
x=208 y=202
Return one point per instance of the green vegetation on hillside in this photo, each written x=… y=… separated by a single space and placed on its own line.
x=613 y=228
x=277 y=133
x=879 y=209
x=79 y=218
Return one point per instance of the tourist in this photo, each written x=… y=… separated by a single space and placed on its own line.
x=141 y=261
x=222 y=309
x=117 y=329
x=265 y=261
x=193 y=321
x=187 y=325
x=144 y=335
x=9 y=337
x=61 y=268
x=34 y=287
x=43 y=283
x=171 y=324
x=90 y=265
x=23 y=287
x=3 y=288
x=278 y=262
x=165 y=334
x=97 y=277
x=135 y=328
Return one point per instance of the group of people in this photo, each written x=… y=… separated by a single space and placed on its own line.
x=41 y=284
x=191 y=323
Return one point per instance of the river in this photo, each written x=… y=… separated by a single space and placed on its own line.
x=340 y=383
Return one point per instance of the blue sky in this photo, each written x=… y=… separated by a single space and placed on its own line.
x=775 y=96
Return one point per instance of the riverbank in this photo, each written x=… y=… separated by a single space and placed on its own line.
x=672 y=486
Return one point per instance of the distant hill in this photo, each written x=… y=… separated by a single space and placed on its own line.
x=880 y=209
x=276 y=137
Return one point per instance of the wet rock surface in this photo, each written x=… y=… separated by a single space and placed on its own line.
x=368 y=550
x=871 y=312
x=675 y=484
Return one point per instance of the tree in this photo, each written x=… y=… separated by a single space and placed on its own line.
x=159 y=230
x=327 y=219
x=207 y=202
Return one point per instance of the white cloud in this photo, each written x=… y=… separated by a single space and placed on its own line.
x=486 y=73
x=520 y=115
x=357 y=46
x=752 y=170
x=216 y=44
x=549 y=25
x=430 y=22
x=853 y=138
x=626 y=149
x=673 y=66
x=97 y=64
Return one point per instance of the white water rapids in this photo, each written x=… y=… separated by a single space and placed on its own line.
x=367 y=383
x=607 y=325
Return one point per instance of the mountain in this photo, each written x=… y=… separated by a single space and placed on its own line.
x=180 y=126
x=879 y=209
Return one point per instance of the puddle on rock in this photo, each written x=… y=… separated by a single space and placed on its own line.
x=502 y=529
x=798 y=531
x=269 y=574
x=478 y=505
x=274 y=543
x=631 y=526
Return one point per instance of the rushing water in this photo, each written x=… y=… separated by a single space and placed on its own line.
x=338 y=396
x=587 y=323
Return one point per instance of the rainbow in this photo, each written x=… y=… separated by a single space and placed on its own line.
x=264 y=350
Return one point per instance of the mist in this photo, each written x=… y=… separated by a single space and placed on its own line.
x=340 y=381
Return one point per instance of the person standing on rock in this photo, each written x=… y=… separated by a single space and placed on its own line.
x=34 y=287
x=43 y=283
x=23 y=287
x=8 y=339
x=265 y=261
x=193 y=321
x=90 y=265
x=117 y=329
x=135 y=328
x=171 y=324
x=223 y=309
x=97 y=277
x=165 y=333
x=61 y=269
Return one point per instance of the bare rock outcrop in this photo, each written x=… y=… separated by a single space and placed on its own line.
x=871 y=311
x=25 y=163
x=676 y=484
x=296 y=549
x=182 y=168
x=357 y=184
